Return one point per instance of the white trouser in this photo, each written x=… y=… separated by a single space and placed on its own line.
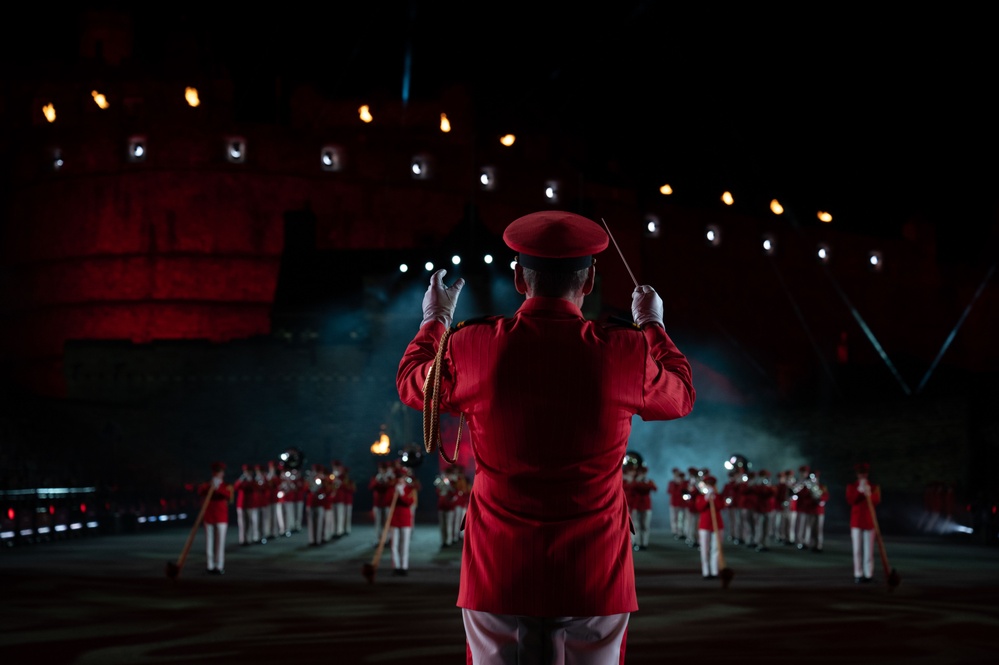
x=329 y=520
x=267 y=521
x=254 y=534
x=400 y=546
x=643 y=523
x=340 y=519
x=820 y=527
x=503 y=639
x=215 y=544
x=445 y=518
x=709 y=552
x=317 y=519
x=380 y=513
x=299 y=513
x=863 y=552
x=286 y=517
x=242 y=524
x=459 y=521
x=348 y=518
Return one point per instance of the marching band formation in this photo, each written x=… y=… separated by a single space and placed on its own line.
x=753 y=508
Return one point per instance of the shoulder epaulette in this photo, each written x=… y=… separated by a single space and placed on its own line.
x=621 y=322
x=479 y=319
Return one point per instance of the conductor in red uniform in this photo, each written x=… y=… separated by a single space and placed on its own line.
x=546 y=568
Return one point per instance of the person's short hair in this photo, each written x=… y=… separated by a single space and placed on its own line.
x=555 y=284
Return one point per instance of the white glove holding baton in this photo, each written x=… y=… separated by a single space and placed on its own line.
x=439 y=301
x=646 y=306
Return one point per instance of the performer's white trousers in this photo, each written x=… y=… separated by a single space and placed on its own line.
x=242 y=524
x=340 y=519
x=380 y=513
x=503 y=639
x=863 y=552
x=329 y=523
x=317 y=521
x=709 y=552
x=267 y=521
x=254 y=534
x=215 y=544
x=643 y=524
x=446 y=520
x=400 y=546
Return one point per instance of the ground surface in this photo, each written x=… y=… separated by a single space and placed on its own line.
x=107 y=599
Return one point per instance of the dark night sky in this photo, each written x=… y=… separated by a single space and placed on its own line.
x=873 y=115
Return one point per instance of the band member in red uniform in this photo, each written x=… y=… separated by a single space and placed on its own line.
x=862 y=522
x=244 y=488
x=546 y=568
x=641 y=509
x=707 y=528
x=675 y=489
x=401 y=524
x=216 y=518
x=381 y=486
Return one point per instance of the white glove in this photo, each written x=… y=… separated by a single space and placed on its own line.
x=646 y=306
x=439 y=301
x=216 y=482
x=400 y=488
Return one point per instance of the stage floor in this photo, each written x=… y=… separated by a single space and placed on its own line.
x=107 y=599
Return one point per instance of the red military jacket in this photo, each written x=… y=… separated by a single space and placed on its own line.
x=217 y=511
x=860 y=512
x=549 y=397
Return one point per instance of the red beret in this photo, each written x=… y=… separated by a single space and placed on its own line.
x=710 y=480
x=555 y=241
x=218 y=466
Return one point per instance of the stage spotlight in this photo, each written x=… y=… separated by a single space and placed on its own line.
x=191 y=96
x=508 y=140
x=331 y=158
x=99 y=99
x=365 y=113
x=487 y=178
x=403 y=267
x=769 y=244
x=420 y=167
x=429 y=265
x=666 y=190
x=713 y=235
x=49 y=111
x=235 y=150
x=824 y=253
x=652 y=226
x=551 y=191
x=57 y=160
x=487 y=259
x=137 y=149
x=875 y=261
x=455 y=260
x=445 y=123
x=727 y=199
x=776 y=208
x=824 y=216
